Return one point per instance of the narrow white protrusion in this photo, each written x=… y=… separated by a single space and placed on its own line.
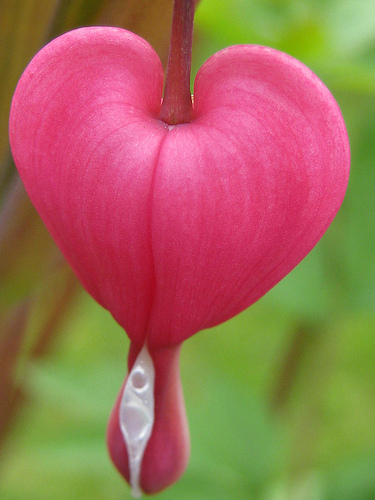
x=137 y=414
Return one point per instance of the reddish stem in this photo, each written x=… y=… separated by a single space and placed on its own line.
x=177 y=105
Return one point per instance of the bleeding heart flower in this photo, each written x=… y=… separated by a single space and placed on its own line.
x=175 y=228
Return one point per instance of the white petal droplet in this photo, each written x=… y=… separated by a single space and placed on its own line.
x=137 y=414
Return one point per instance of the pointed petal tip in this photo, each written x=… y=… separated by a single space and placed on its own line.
x=167 y=453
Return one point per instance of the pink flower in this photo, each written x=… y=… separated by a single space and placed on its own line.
x=174 y=229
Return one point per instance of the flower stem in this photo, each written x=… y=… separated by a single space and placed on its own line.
x=177 y=105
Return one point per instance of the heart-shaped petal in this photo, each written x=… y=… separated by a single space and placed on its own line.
x=175 y=229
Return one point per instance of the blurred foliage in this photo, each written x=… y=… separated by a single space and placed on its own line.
x=281 y=399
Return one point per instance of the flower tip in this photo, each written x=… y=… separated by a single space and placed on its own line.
x=168 y=449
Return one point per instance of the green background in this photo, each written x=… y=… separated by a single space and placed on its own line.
x=281 y=399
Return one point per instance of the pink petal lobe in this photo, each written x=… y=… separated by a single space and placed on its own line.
x=245 y=191
x=168 y=450
x=86 y=144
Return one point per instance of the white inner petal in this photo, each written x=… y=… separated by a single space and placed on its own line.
x=137 y=414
